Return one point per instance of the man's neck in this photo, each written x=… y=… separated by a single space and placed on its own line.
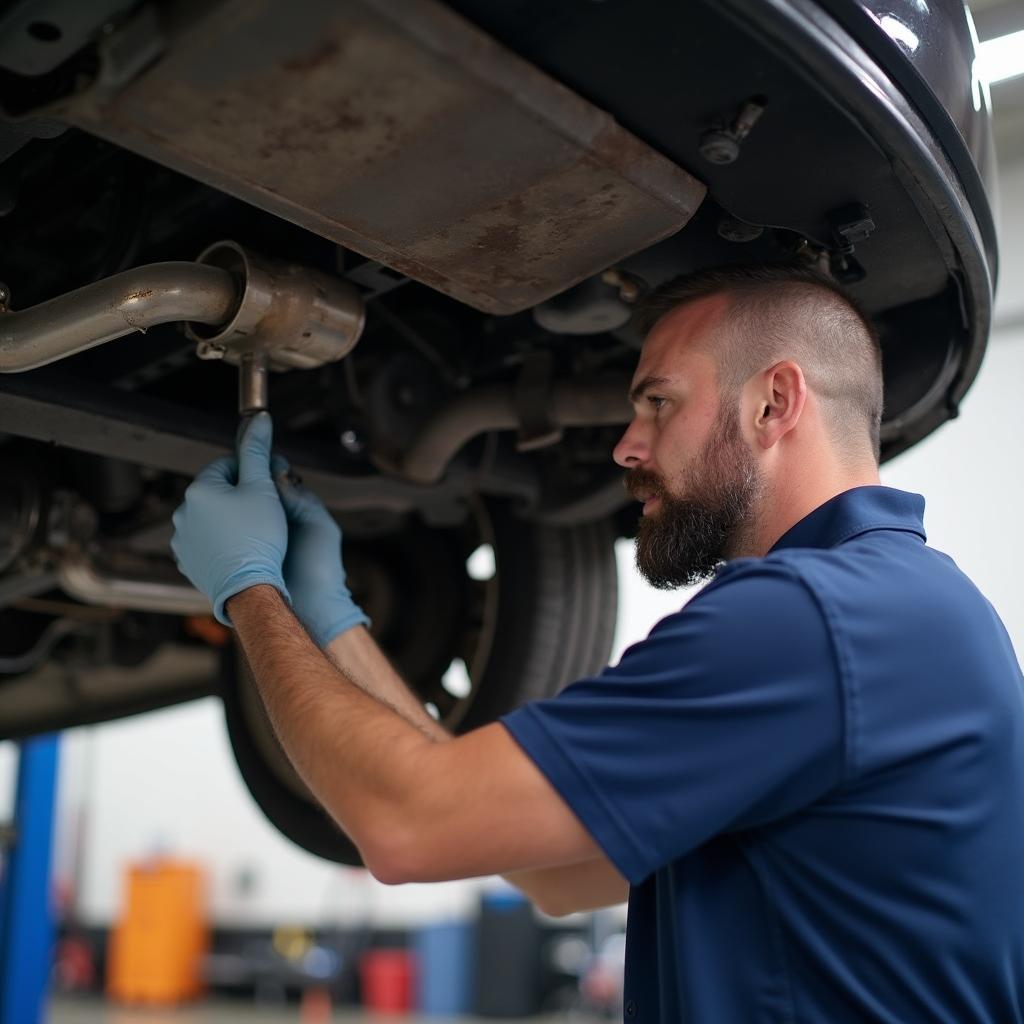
x=785 y=504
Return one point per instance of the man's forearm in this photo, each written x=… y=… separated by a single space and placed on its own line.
x=359 y=657
x=363 y=746
x=364 y=782
x=572 y=887
x=556 y=891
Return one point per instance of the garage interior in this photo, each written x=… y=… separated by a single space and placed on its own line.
x=106 y=825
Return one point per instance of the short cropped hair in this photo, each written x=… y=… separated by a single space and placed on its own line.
x=784 y=311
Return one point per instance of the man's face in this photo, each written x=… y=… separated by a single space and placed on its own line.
x=685 y=454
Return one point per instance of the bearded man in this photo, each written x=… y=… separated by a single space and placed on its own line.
x=809 y=782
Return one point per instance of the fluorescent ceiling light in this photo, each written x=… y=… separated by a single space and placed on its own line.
x=1001 y=58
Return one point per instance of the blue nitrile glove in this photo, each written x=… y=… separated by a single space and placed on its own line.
x=313 y=570
x=230 y=533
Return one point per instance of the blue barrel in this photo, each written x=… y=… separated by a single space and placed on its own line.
x=444 y=954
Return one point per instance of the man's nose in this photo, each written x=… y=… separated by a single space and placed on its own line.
x=632 y=449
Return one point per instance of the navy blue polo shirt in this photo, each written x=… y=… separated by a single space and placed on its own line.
x=813 y=778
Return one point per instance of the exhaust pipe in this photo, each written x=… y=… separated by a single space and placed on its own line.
x=256 y=312
x=134 y=300
x=600 y=403
x=81 y=578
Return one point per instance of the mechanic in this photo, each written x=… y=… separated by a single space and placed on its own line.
x=809 y=782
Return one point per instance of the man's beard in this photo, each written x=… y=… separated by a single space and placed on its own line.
x=684 y=539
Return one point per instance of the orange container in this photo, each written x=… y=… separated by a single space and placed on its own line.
x=156 y=948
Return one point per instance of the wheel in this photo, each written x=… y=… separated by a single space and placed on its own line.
x=473 y=641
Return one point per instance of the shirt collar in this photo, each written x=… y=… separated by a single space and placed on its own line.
x=855 y=512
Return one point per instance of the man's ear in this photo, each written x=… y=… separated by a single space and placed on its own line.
x=781 y=394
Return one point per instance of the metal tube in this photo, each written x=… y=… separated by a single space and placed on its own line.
x=134 y=300
x=79 y=578
x=252 y=383
x=494 y=408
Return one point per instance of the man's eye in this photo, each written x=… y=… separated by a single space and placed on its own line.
x=656 y=400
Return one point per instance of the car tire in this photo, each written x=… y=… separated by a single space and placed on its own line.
x=544 y=618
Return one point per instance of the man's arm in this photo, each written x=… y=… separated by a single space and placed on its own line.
x=418 y=805
x=568 y=889
x=557 y=891
x=418 y=808
x=358 y=657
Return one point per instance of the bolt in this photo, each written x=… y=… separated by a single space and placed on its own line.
x=811 y=255
x=748 y=116
x=719 y=147
x=733 y=230
x=351 y=442
x=629 y=290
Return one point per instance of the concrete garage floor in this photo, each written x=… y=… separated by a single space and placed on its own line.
x=96 y=1011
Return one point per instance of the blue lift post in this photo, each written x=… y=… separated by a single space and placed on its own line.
x=27 y=925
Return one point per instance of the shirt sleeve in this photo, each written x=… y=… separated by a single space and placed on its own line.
x=728 y=716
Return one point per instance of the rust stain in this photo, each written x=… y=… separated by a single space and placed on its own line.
x=348 y=122
x=141 y=293
x=323 y=54
x=500 y=238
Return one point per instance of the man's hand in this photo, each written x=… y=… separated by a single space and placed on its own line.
x=230 y=533
x=313 y=571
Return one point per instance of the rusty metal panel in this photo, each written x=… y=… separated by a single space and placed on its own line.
x=399 y=130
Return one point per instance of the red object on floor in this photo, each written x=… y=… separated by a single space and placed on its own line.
x=387 y=977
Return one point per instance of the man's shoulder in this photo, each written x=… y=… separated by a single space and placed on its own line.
x=750 y=599
x=866 y=559
x=778 y=574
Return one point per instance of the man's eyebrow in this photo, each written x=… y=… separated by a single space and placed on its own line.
x=645 y=385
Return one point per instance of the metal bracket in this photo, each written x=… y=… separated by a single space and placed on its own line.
x=127 y=50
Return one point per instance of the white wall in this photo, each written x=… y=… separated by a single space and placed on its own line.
x=970 y=472
x=167 y=781
x=1010 y=290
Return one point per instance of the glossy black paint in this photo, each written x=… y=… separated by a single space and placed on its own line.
x=928 y=47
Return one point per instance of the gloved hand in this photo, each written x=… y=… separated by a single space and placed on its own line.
x=313 y=569
x=230 y=533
